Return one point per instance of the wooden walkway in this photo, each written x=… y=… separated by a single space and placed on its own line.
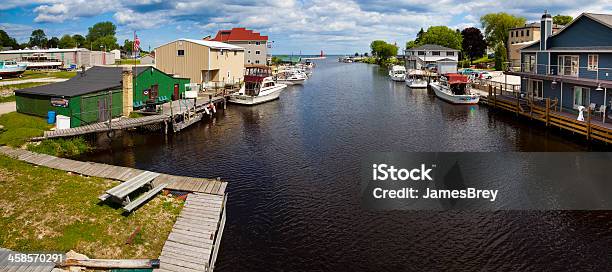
x=6 y=265
x=176 y=183
x=124 y=123
x=194 y=241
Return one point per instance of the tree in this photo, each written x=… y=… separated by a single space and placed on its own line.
x=376 y=46
x=128 y=46
x=101 y=29
x=79 y=40
x=473 y=43
x=497 y=25
x=419 y=35
x=7 y=41
x=562 y=19
x=105 y=43
x=276 y=60
x=365 y=54
x=501 y=57
x=387 y=50
x=442 y=35
x=38 y=38
x=53 y=42
x=67 y=42
x=411 y=44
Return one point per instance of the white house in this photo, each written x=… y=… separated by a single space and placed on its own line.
x=116 y=53
x=445 y=59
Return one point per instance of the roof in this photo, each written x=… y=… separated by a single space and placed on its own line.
x=95 y=79
x=51 y=50
x=211 y=44
x=433 y=47
x=239 y=34
x=605 y=19
x=447 y=60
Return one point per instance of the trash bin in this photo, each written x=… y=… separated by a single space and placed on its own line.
x=50 y=117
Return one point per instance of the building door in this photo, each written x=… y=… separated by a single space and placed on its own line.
x=154 y=92
x=102 y=109
x=581 y=97
x=176 y=92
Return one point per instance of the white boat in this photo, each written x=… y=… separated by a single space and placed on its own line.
x=397 y=73
x=259 y=87
x=293 y=77
x=10 y=68
x=416 y=79
x=454 y=88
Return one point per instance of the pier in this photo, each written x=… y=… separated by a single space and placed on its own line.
x=549 y=112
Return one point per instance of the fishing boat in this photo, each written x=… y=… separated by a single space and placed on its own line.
x=416 y=79
x=397 y=73
x=10 y=68
x=259 y=87
x=454 y=88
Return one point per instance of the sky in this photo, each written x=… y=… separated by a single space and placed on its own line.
x=307 y=26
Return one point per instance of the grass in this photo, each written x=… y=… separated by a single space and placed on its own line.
x=19 y=128
x=50 y=210
x=127 y=61
x=4 y=99
x=32 y=74
x=136 y=115
x=62 y=147
x=483 y=59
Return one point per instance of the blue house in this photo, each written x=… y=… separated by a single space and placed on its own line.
x=574 y=65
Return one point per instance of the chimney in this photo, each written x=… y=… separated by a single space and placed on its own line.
x=128 y=90
x=545 y=30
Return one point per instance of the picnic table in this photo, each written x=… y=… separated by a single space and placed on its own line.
x=121 y=193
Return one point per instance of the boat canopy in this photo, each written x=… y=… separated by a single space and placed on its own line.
x=457 y=78
x=256 y=73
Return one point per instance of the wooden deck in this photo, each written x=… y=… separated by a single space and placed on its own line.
x=593 y=128
x=194 y=241
x=5 y=265
x=176 y=183
x=124 y=123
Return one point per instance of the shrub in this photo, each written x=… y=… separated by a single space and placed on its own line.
x=61 y=147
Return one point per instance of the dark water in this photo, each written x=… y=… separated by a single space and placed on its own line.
x=293 y=172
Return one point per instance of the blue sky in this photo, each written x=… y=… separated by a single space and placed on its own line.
x=335 y=26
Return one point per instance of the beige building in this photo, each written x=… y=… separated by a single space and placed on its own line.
x=201 y=61
x=520 y=37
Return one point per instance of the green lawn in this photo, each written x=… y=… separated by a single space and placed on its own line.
x=19 y=128
x=50 y=210
x=127 y=61
x=4 y=99
x=32 y=74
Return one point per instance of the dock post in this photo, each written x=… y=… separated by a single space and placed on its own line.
x=547 y=110
x=588 y=132
x=165 y=127
x=494 y=97
x=518 y=96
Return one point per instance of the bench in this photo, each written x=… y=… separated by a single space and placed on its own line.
x=121 y=192
x=146 y=196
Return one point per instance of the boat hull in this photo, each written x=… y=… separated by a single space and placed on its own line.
x=418 y=84
x=291 y=81
x=397 y=78
x=254 y=100
x=13 y=70
x=454 y=99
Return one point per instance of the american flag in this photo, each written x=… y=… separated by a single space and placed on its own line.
x=136 y=44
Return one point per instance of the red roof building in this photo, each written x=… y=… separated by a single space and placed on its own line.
x=239 y=34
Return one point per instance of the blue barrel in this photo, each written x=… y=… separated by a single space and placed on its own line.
x=50 y=117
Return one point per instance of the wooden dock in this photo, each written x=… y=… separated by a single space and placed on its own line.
x=123 y=123
x=6 y=265
x=194 y=241
x=93 y=169
x=548 y=112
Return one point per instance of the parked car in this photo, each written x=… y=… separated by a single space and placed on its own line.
x=431 y=67
x=484 y=75
x=467 y=71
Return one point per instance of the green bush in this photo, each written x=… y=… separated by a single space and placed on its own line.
x=61 y=147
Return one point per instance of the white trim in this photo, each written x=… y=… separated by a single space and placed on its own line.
x=530 y=85
x=596 y=66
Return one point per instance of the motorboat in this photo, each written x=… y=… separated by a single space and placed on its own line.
x=291 y=77
x=10 y=68
x=455 y=89
x=397 y=73
x=259 y=87
x=415 y=79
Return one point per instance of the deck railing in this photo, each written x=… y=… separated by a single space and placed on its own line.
x=592 y=72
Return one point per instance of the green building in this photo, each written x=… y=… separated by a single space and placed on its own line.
x=97 y=94
x=89 y=97
x=151 y=84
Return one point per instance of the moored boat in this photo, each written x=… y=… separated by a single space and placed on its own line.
x=293 y=77
x=10 y=68
x=397 y=73
x=259 y=87
x=415 y=79
x=455 y=89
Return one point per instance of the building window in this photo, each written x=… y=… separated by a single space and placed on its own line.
x=180 y=52
x=522 y=34
x=511 y=33
x=249 y=51
x=527 y=32
x=221 y=52
x=257 y=52
x=581 y=97
x=249 y=42
x=593 y=63
x=435 y=53
x=568 y=65
x=248 y=61
x=421 y=53
x=450 y=53
x=257 y=62
x=530 y=63
x=536 y=89
x=257 y=43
